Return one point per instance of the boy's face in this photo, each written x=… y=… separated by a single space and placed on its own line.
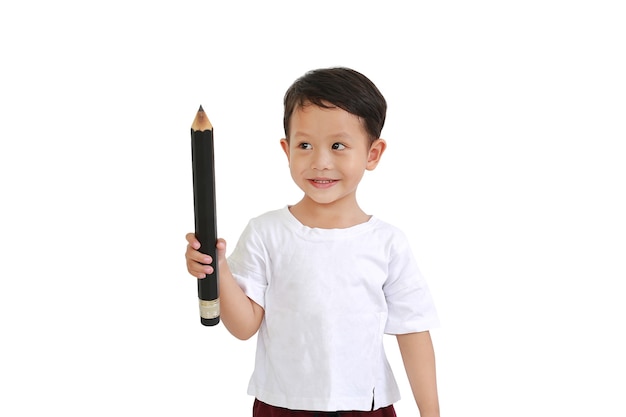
x=328 y=152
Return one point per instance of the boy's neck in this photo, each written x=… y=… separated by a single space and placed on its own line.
x=328 y=216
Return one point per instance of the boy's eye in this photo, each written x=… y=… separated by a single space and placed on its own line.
x=338 y=146
x=304 y=145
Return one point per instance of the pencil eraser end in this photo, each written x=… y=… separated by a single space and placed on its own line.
x=209 y=322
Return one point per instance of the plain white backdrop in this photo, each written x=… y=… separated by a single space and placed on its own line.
x=505 y=166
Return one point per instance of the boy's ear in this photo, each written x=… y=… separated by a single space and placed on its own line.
x=376 y=151
x=285 y=145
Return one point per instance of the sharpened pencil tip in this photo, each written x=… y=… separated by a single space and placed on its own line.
x=201 y=121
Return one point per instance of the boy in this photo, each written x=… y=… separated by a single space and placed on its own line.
x=321 y=280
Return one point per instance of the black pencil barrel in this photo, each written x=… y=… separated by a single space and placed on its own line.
x=203 y=164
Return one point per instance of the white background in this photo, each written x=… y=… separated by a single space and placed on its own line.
x=505 y=166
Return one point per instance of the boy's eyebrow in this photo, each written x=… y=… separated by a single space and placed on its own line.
x=341 y=135
x=338 y=135
x=300 y=134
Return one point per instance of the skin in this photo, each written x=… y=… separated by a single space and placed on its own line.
x=328 y=153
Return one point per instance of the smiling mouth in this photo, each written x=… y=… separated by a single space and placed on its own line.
x=322 y=182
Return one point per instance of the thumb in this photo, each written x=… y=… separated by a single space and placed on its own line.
x=221 y=250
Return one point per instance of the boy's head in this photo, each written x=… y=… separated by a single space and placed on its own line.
x=338 y=87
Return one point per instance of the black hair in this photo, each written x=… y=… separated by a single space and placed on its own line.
x=338 y=87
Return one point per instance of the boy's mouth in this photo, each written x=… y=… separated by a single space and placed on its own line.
x=322 y=182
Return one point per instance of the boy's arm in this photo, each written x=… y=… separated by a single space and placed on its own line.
x=419 y=362
x=241 y=316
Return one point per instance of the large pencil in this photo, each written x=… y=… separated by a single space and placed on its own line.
x=203 y=166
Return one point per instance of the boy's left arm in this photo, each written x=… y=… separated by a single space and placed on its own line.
x=418 y=356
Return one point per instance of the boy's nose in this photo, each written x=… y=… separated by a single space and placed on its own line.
x=321 y=160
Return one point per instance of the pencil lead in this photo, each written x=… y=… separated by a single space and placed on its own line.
x=201 y=109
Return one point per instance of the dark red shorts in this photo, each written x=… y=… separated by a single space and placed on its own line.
x=261 y=409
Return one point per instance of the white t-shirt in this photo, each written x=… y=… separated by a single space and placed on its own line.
x=329 y=295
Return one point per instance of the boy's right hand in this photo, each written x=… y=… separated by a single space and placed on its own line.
x=198 y=262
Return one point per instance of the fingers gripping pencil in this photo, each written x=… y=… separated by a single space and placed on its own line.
x=203 y=167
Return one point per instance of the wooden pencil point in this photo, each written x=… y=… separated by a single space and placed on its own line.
x=201 y=122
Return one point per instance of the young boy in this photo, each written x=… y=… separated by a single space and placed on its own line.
x=321 y=280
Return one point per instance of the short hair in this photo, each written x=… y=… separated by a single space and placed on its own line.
x=338 y=87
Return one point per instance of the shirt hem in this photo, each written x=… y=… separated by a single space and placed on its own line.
x=326 y=405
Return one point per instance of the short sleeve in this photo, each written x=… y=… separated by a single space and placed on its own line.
x=248 y=264
x=409 y=301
